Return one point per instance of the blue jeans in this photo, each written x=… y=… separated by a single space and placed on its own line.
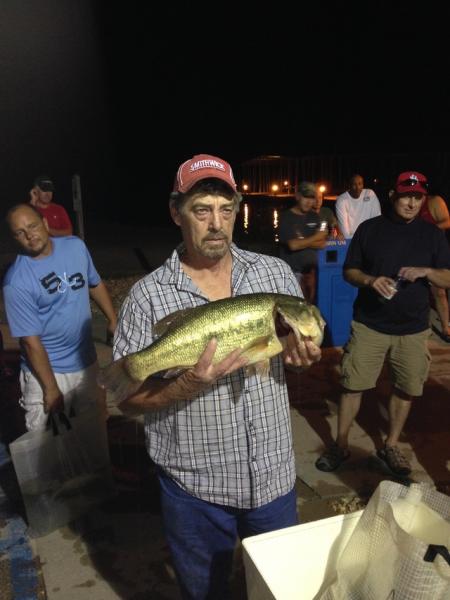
x=202 y=536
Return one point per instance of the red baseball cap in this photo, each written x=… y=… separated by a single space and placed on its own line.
x=203 y=166
x=411 y=181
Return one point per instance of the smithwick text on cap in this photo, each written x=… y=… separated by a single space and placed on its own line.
x=203 y=166
x=207 y=163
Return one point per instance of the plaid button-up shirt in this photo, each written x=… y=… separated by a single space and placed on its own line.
x=232 y=445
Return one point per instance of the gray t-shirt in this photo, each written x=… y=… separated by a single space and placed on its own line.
x=293 y=225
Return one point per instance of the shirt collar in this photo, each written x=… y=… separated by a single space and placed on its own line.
x=172 y=272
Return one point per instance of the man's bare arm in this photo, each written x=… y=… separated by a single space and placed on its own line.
x=40 y=365
x=101 y=297
x=438 y=277
x=382 y=285
x=156 y=394
x=317 y=240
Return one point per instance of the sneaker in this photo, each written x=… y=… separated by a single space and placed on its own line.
x=395 y=460
x=332 y=458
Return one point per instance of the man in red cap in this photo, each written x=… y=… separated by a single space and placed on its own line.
x=41 y=197
x=221 y=439
x=393 y=260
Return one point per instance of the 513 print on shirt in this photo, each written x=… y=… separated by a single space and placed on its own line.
x=54 y=283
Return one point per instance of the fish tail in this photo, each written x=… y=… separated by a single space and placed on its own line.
x=116 y=380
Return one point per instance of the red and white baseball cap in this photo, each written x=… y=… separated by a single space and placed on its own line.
x=203 y=166
x=411 y=181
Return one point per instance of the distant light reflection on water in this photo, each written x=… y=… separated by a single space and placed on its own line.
x=258 y=221
x=245 y=217
x=275 y=223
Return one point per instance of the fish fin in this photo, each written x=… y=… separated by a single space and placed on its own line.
x=163 y=325
x=260 y=368
x=263 y=349
x=114 y=378
x=259 y=356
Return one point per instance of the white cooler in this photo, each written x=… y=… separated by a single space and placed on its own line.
x=296 y=562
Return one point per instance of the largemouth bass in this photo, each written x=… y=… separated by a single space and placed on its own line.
x=257 y=323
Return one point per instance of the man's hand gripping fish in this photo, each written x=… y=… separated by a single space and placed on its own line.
x=257 y=323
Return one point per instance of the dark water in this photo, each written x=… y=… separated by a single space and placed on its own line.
x=257 y=224
x=258 y=221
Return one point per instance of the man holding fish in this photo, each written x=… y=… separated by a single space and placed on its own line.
x=216 y=413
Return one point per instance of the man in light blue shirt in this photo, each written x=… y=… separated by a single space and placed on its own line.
x=47 y=291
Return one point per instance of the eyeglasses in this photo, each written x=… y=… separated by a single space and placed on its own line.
x=413 y=182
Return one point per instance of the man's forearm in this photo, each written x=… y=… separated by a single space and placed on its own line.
x=358 y=278
x=156 y=394
x=101 y=297
x=444 y=225
x=39 y=362
x=308 y=242
x=439 y=277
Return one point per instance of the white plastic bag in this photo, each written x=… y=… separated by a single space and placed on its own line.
x=63 y=471
x=399 y=549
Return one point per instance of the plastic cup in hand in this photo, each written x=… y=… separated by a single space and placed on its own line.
x=394 y=287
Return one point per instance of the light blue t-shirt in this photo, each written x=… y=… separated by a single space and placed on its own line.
x=49 y=297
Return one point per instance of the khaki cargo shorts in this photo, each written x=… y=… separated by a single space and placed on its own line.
x=408 y=358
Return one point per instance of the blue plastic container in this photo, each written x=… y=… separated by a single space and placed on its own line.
x=335 y=296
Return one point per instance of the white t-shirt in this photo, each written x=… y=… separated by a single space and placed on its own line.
x=350 y=212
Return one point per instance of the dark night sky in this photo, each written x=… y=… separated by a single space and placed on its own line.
x=122 y=95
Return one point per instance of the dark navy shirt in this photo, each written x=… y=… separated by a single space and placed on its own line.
x=381 y=246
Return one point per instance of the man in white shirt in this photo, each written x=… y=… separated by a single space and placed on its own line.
x=356 y=205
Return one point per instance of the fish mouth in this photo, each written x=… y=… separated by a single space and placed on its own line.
x=283 y=329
